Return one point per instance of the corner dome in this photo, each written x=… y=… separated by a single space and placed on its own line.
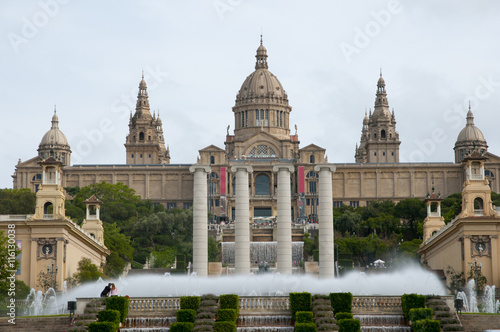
x=261 y=84
x=54 y=137
x=470 y=133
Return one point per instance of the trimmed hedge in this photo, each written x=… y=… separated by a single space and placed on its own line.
x=190 y=302
x=420 y=313
x=112 y=316
x=341 y=302
x=186 y=315
x=304 y=317
x=426 y=325
x=119 y=303
x=300 y=302
x=181 y=327
x=343 y=315
x=410 y=301
x=230 y=301
x=349 y=325
x=227 y=315
x=102 y=327
x=305 y=327
x=224 y=327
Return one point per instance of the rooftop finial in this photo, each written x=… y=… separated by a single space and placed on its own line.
x=261 y=38
x=380 y=71
x=55 y=108
x=143 y=74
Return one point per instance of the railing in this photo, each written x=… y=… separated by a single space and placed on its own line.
x=376 y=304
x=478 y=212
x=151 y=304
x=271 y=305
x=14 y=217
x=434 y=214
x=264 y=304
x=477 y=177
x=48 y=217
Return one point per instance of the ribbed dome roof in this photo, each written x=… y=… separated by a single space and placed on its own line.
x=261 y=83
x=470 y=133
x=54 y=137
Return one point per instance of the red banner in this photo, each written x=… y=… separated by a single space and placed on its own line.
x=301 y=179
x=223 y=184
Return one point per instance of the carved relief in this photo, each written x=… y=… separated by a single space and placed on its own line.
x=46 y=248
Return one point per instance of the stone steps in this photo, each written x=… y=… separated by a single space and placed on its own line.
x=37 y=324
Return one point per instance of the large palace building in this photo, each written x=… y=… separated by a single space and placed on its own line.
x=262 y=138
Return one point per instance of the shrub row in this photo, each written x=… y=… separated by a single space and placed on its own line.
x=341 y=302
x=300 y=302
x=426 y=325
x=349 y=325
x=410 y=301
x=119 y=303
x=190 y=302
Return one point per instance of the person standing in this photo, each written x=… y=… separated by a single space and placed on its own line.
x=114 y=290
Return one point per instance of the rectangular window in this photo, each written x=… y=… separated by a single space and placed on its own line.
x=383 y=153
x=308 y=201
x=256 y=118
x=217 y=202
x=132 y=155
x=374 y=153
x=312 y=187
x=262 y=117
x=149 y=155
x=171 y=205
x=354 y=204
x=337 y=204
x=277 y=117
x=267 y=118
x=187 y=206
x=392 y=153
x=141 y=155
x=39 y=176
x=246 y=118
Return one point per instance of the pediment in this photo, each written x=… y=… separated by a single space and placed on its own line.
x=212 y=148
x=33 y=162
x=492 y=158
x=312 y=147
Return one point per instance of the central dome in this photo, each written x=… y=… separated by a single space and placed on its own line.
x=54 y=137
x=261 y=86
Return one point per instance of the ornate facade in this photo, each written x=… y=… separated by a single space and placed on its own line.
x=262 y=139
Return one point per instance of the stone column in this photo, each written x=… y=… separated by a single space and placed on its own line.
x=325 y=215
x=284 y=218
x=242 y=220
x=200 y=219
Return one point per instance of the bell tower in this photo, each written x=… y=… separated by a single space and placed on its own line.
x=379 y=139
x=434 y=221
x=50 y=197
x=476 y=192
x=145 y=143
x=92 y=223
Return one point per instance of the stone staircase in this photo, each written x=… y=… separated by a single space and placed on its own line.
x=479 y=323
x=442 y=313
x=37 y=324
x=381 y=322
x=323 y=313
x=89 y=315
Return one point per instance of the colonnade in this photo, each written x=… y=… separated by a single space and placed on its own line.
x=283 y=220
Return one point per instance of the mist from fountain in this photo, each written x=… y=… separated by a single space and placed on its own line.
x=266 y=251
x=43 y=304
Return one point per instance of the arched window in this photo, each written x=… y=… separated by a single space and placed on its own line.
x=48 y=210
x=212 y=160
x=311 y=159
x=262 y=186
x=382 y=134
x=478 y=206
x=141 y=136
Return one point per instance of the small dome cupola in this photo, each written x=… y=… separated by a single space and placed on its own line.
x=261 y=56
x=54 y=143
x=469 y=138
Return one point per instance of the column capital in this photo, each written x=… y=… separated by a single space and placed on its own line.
x=278 y=167
x=319 y=167
x=195 y=167
x=235 y=168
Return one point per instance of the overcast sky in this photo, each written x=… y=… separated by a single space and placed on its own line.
x=87 y=57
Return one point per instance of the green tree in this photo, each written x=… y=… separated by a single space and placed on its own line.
x=7 y=265
x=121 y=250
x=17 y=201
x=163 y=258
x=213 y=250
x=85 y=272
x=347 y=223
x=451 y=206
x=409 y=249
x=411 y=210
x=456 y=281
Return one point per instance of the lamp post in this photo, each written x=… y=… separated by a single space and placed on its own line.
x=51 y=271
x=475 y=270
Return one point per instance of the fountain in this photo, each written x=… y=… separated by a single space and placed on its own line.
x=262 y=252
x=478 y=303
x=43 y=304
